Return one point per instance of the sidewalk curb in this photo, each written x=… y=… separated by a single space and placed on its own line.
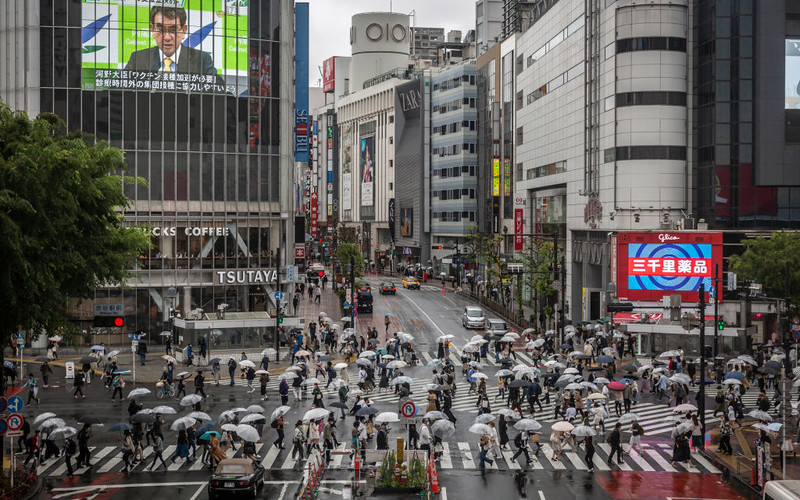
x=738 y=483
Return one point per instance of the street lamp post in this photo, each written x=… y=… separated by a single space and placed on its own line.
x=458 y=266
x=172 y=294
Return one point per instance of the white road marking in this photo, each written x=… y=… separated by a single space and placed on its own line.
x=200 y=490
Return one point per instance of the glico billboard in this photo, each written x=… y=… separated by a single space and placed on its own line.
x=654 y=264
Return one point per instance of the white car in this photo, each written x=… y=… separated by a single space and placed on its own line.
x=473 y=317
x=496 y=327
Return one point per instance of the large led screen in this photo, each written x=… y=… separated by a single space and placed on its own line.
x=193 y=46
x=652 y=265
x=792 y=79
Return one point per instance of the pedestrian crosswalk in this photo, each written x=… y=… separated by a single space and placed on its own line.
x=460 y=455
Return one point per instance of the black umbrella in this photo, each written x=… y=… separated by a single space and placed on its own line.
x=566 y=346
x=325 y=358
x=42 y=359
x=90 y=419
x=772 y=364
x=769 y=370
x=373 y=341
x=337 y=404
x=366 y=411
x=519 y=383
x=582 y=356
x=88 y=359
x=629 y=368
x=143 y=418
x=551 y=375
x=595 y=368
x=658 y=363
x=214 y=360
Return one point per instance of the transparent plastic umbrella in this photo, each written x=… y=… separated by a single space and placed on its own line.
x=443 y=428
x=628 y=418
x=480 y=429
x=253 y=417
x=583 y=431
x=139 y=391
x=191 y=399
x=435 y=415
x=387 y=417
x=316 y=413
x=255 y=409
x=485 y=418
x=164 y=410
x=247 y=433
x=279 y=412
x=527 y=424
x=182 y=423
x=199 y=415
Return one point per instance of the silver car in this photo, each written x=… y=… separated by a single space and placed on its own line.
x=473 y=317
x=496 y=327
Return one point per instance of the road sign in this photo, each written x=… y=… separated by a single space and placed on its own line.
x=355 y=312
x=3 y=404
x=20 y=340
x=3 y=427
x=796 y=334
x=15 y=404
x=712 y=292
x=70 y=367
x=13 y=434
x=15 y=421
x=135 y=337
x=346 y=304
x=408 y=409
x=300 y=253
x=278 y=295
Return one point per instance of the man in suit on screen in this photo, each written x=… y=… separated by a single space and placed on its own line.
x=169 y=28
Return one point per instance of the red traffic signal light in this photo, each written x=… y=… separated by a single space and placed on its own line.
x=321 y=274
x=119 y=321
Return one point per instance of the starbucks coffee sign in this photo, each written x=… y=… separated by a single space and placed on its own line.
x=247 y=277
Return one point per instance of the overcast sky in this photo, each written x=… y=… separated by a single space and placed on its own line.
x=330 y=23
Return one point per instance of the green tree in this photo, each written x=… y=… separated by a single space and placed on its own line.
x=764 y=261
x=61 y=234
x=346 y=251
x=537 y=260
x=484 y=250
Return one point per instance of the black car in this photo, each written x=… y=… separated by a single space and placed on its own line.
x=387 y=287
x=364 y=301
x=235 y=477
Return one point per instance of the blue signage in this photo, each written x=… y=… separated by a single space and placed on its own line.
x=278 y=295
x=301 y=115
x=3 y=427
x=15 y=404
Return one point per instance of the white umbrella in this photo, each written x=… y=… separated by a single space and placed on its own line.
x=673 y=418
x=191 y=399
x=247 y=364
x=164 y=410
x=287 y=375
x=583 y=431
x=596 y=396
x=760 y=415
x=507 y=338
x=255 y=409
x=514 y=335
x=112 y=354
x=601 y=380
x=367 y=354
x=279 y=412
x=229 y=427
x=405 y=337
x=503 y=373
x=571 y=371
x=388 y=357
x=480 y=375
x=643 y=368
x=574 y=353
x=682 y=428
x=684 y=408
x=402 y=380
x=309 y=381
x=387 y=417
x=55 y=338
x=573 y=387
x=199 y=415
x=42 y=417
x=527 y=424
x=480 y=429
x=139 y=391
x=508 y=412
x=52 y=422
x=269 y=351
x=669 y=354
x=589 y=385
x=476 y=364
x=253 y=417
x=539 y=342
x=628 y=417
x=396 y=364
x=316 y=413
x=485 y=418
x=247 y=433
x=435 y=415
x=443 y=428
x=182 y=423
x=731 y=381
x=63 y=432
x=340 y=366
x=262 y=372
x=239 y=409
x=226 y=416
x=562 y=426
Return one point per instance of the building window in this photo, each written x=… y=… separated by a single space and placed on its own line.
x=624 y=153
x=654 y=98
x=651 y=43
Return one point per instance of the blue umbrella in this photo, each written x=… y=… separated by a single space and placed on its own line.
x=206 y=427
x=736 y=375
x=604 y=359
x=434 y=363
x=207 y=436
x=123 y=372
x=120 y=427
x=626 y=381
x=389 y=314
x=98 y=348
x=8 y=364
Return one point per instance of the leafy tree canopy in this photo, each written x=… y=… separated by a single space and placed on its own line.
x=346 y=251
x=60 y=233
x=764 y=261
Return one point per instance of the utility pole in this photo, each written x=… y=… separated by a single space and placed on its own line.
x=556 y=276
x=787 y=366
x=353 y=294
x=277 y=304
x=701 y=403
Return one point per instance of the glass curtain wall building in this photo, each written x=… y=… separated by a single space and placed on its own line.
x=196 y=93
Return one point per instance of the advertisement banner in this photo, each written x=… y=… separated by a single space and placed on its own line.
x=301 y=148
x=391 y=219
x=792 y=74
x=495 y=176
x=367 y=161
x=329 y=74
x=506 y=177
x=192 y=46
x=519 y=222
x=314 y=214
x=347 y=165
x=407 y=222
x=653 y=264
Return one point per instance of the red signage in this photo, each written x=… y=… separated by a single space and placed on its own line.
x=329 y=74
x=300 y=253
x=314 y=213
x=519 y=228
x=651 y=265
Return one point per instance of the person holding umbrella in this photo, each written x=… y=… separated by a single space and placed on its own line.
x=158 y=451
x=485 y=444
x=521 y=442
x=70 y=448
x=118 y=383
x=181 y=389
x=588 y=445
x=637 y=431
x=199 y=384
x=127 y=449
x=216 y=454
x=298 y=439
x=614 y=440
x=83 y=446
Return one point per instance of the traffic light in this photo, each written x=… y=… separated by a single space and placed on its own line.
x=119 y=321
x=321 y=274
x=619 y=307
x=280 y=318
x=108 y=321
x=720 y=324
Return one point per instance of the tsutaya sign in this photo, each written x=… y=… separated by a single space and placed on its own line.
x=247 y=277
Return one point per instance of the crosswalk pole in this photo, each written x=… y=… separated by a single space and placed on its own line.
x=701 y=402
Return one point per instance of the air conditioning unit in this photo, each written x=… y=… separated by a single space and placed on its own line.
x=688 y=223
x=666 y=226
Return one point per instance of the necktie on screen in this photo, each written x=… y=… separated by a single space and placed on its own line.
x=167 y=65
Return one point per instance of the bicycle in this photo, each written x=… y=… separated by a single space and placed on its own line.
x=164 y=389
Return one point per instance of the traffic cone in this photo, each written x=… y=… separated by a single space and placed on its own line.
x=434 y=479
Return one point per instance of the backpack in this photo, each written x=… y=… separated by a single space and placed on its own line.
x=71 y=447
x=519 y=441
x=274 y=424
x=719 y=398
